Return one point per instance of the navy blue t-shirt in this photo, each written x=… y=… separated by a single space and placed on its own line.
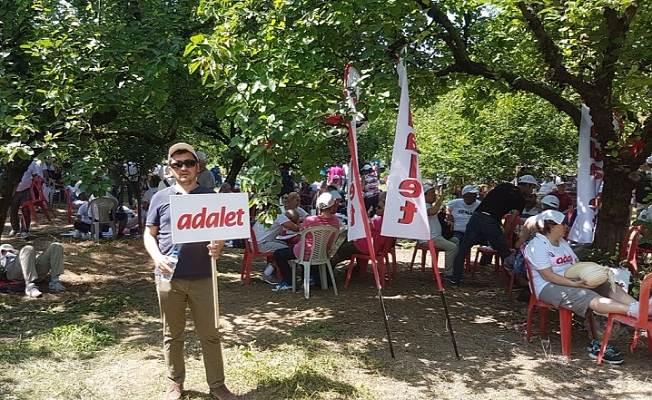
x=501 y=200
x=194 y=260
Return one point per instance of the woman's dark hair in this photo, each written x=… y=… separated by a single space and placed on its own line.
x=547 y=226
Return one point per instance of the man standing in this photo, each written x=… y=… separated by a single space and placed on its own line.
x=205 y=177
x=485 y=223
x=459 y=211
x=24 y=265
x=191 y=285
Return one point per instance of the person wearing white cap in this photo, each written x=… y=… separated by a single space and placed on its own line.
x=565 y=199
x=205 y=177
x=557 y=281
x=191 y=285
x=433 y=206
x=459 y=211
x=485 y=223
x=328 y=207
x=547 y=186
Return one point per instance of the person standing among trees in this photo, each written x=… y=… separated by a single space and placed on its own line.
x=205 y=177
x=485 y=223
x=191 y=284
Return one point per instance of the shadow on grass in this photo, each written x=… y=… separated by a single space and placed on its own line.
x=111 y=284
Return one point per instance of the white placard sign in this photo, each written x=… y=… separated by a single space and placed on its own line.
x=206 y=217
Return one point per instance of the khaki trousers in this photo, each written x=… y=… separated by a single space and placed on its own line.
x=174 y=298
x=34 y=269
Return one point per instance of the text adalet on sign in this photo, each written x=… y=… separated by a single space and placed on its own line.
x=206 y=217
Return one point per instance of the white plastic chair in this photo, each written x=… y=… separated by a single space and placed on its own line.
x=103 y=211
x=323 y=238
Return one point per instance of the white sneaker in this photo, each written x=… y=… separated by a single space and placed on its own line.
x=77 y=234
x=56 y=286
x=13 y=233
x=32 y=291
x=24 y=235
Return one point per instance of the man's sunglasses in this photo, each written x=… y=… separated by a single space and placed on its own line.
x=180 y=164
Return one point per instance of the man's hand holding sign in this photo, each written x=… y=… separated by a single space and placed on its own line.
x=195 y=227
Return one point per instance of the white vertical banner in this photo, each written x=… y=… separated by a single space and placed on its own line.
x=589 y=179
x=356 y=213
x=405 y=208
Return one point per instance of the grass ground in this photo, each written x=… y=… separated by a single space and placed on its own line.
x=101 y=339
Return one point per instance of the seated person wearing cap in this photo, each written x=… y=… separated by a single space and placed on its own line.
x=550 y=256
x=528 y=230
x=433 y=206
x=24 y=265
x=531 y=207
x=327 y=206
x=459 y=211
x=266 y=237
x=360 y=246
x=485 y=223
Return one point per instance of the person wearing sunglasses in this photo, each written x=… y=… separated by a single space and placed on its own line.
x=191 y=284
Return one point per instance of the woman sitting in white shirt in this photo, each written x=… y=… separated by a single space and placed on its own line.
x=550 y=256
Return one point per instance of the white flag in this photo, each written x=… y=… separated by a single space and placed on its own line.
x=405 y=209
x=589 y=179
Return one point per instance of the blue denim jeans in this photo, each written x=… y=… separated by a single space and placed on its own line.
x=482 y=228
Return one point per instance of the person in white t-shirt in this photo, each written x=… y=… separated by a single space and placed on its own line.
x=550 y=256
x=547 y=186
x=433 y=206
x=459 y=211
x=20 y=197
x=266 y=236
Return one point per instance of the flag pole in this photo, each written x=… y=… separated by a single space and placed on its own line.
x=449 y=326
x=356 y=191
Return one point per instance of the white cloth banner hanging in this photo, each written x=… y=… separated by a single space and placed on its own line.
x=589 y=179
x=405 y=209
x=356 y=214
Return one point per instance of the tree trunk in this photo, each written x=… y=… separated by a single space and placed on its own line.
x=614 y=215
x=13 y=173
x=236 y=166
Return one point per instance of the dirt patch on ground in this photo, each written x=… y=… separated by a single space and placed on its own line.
x=496 y=361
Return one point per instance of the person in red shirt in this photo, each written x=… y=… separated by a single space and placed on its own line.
x=565 y=199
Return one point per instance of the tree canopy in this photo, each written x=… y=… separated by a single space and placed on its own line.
x=259 y=76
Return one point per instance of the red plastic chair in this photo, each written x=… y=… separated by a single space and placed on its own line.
x=424 y=250
x=642 y=322
x=630 y=249
x=37 y=200
x=382 y=260
x=565 y=315
x=71 y=207
x=251 y=252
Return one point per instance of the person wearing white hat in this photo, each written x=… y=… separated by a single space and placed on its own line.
x=557 y=281
x=459 y=211
x=485 y=223
x=327 y=205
